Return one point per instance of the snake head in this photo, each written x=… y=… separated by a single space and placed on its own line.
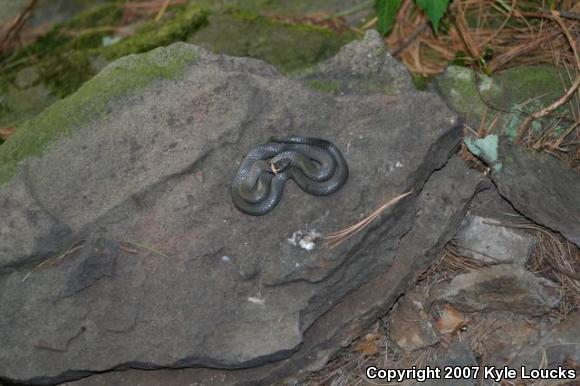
x=278 y=165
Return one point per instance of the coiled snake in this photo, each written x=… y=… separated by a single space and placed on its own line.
x=316 y=165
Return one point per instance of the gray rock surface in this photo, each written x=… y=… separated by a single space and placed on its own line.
x=503 y=287
x=459 y=355
x=486 y=239
x=562 y=343
x=511 y=334
x=170 y=273
x=540 y=187
x=489 y=203
x=443 y=200
x=362 y=70
x=559 y=346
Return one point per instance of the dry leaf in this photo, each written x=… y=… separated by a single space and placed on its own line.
x=369 y=345
x=6 y=132
x=451 y=320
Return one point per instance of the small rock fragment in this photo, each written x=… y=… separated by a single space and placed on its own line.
x=410 y=326
x=485 y=239
x=500 y=287
x=27 y=77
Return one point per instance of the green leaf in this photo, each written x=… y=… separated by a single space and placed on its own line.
x=434 y=10
x=386 y=13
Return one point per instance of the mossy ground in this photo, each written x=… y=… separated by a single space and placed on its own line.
x=74 y=51
x=287 y=46
x=65 y=54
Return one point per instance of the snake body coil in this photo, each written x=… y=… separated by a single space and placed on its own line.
x=316 y=165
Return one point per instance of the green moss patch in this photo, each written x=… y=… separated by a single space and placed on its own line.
x=458 y=86
x=90 y=102
x=72 y=52
x=287 y=46
x=513 y=94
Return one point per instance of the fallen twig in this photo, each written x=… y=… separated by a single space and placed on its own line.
x=154 y=4
x=16 y=27
x=548 y=15
x=525 y=126
x=162 y=10
x=501 y=27
x=410 y=39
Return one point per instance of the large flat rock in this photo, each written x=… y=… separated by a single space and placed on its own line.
x=440 y=207
x=541 y=187
x=156 y=268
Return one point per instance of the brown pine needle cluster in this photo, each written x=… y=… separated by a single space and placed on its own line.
x=491 y=34
x=55 y=260
x=337 y=238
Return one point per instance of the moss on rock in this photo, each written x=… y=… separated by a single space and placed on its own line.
x=66 y=55
x=91 y=101
x=151 y=34
x=74 y=51
x=522 y=89
x=286 y=46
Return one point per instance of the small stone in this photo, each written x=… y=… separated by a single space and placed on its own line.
x=485 y=239
x=410 y=327
x=500 y=287
x=27 y=77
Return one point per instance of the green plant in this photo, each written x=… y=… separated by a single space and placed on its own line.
x=387 y=12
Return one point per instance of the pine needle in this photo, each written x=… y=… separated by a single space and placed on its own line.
x=339 y=237
x=146 y=248
x=162 y=10
x=56 y=259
